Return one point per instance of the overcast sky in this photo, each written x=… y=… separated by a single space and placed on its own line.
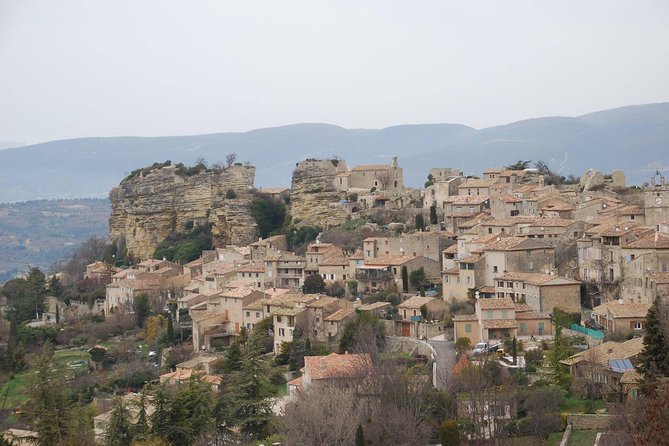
x=107 y=68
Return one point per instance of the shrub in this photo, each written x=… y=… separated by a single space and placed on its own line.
x=230 y=194
x=449 y=433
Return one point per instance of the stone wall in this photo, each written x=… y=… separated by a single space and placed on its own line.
x=590 y=422
x=313 y=196
x=410 y=346
x=148 y=207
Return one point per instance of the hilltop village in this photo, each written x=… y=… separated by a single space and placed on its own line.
x=348 y=284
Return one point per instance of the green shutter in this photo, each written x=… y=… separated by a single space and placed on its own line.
x=468 y=328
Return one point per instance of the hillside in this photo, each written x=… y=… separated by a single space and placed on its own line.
x=42 y=232
x=634 y=138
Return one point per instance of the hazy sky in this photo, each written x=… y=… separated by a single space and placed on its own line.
x=106 y=68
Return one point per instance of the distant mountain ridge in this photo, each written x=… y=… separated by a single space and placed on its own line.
x=632 y=138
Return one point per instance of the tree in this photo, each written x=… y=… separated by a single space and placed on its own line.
x=56 y=287
x=314 y=284
x=142 y=308
x=230 y=159
x=269 y=214
x=49 y=402
x=233 y=358
x=364 y=334
x=118 y=431
x=360 y=436
x=420 y=222
x=560 y=350
x=405 y=279
x=542 y=406
x=353 y=287
x=654 y=358
x=587 y=383
x=463 y=344
x=430 y=180
x=514 y=349
x=335 y=289
x=170 y=330
x=519 y=165
x=449 y=433
x=418 y=279
x=433 y=214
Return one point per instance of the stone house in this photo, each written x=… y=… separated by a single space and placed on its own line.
x=366 y=176
x=426 y=244
x=541 y=292
x=600 y=257
x=378 y=309
x=220 y=316
x=384 y=272
x=317 y=310
x=641 y=258
x=333 y=369
x=316 y=253
x=285 y=321
x=265 y=246
x=606 y=364
x=557 y=228
x=284 y=270
x=660 y=284
x=468 y=274
x=516 y=254
x=477 y=186
x=101 y=272
x=506 y=205
x=120 y=295
x=336 y=268
x=252 y=274
x=619 y=317
x=590 y=209
x=460 y=208
x=499 y=318
x=554 y=207
x=335 y=324
x=445 y=184
x=516 y=225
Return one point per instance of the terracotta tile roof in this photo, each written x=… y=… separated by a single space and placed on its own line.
x=631 y=210
x=536 y=278
x=522 y=307
x=555 y=204
x=284 y=256
x=453 y=249
x=374 y=306
x=631 y=377
x=357 y=255
x=487 y=289
x=334 y=366
x=336 y=260
x=607 y=351
x=237 y=293
x=494 y=170
x=471 y=259
x=258 y=268
x=462 y=363
x=653 y=241
x=415 y=302
x=515 y=244
x=322 y=301
x=466 y=199
x=455 y=271
x=285 y=311
x=340 y=315
x=660 y=278
x=389 y=260
x=613 y=229
x=500 y=323
x=297 y=382
x=553 y=222
x=496 y=303
x=511 y=221
x=258 y=304
x=524 y=315
x=506 y=198
x=624 y=310
x=489 y=238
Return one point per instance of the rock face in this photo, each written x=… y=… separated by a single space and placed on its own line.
x=313 y=197
x=147 y=207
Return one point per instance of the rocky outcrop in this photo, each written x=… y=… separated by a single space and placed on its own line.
x=151 y=204
x=313 y=197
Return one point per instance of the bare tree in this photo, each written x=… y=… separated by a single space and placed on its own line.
x=326 y=415
x=588 y=382
x=230 y=159
x=383 y=178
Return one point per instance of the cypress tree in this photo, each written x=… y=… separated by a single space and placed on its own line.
x=359 y=436
x=433 y=214
x=170 y=330
x=405 y=279
x=654 y=358
x=118 y=431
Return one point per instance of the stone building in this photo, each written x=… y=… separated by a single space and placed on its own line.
x=516 y=254
x=619 y=317
x=541 y=292
x=379 y=176
x=656 y=201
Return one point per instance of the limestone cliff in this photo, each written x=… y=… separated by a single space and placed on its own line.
x=152 y=203
x=313 y=197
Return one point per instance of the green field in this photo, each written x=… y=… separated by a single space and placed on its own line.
x=574 y=404
x=15 y=391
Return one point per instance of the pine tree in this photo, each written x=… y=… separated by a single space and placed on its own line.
x=654 y=358
x=170 y=330
x=49 y=403
x=141 y=428
x=118 y=431
x=514 y=349
x=433 y=214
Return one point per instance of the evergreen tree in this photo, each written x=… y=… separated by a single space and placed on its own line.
x=514 y=349
x=233 y=358
x=560 y=350
x=49 y=402
x=141 y=428
x=420 y=222
x=142 y=309
x=56 y=287
x=405 y=279
x=449 y=433
x=314 y=284
x=654 y=358
x=433 y=214
x=359 y=436
x=170 y=330
x=118 y=431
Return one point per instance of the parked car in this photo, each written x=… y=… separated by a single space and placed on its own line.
x=480 y=348
x=591 y=323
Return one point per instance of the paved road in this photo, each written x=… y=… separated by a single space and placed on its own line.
x=445 y=360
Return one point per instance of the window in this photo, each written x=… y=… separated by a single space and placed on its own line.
x=248 y=314
x=469 y=280
x=414 y=312
x=489 y=230
x=278 y=318
x=637 y=325
x=540 y=325
x=494 y=269
x=282 y=332
x=257 y=313
x=446 y=279
x=468 y=328
x=522 y=327
x=489 y=314
x=509 y=284
x=457 y=280
x=500 y=283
